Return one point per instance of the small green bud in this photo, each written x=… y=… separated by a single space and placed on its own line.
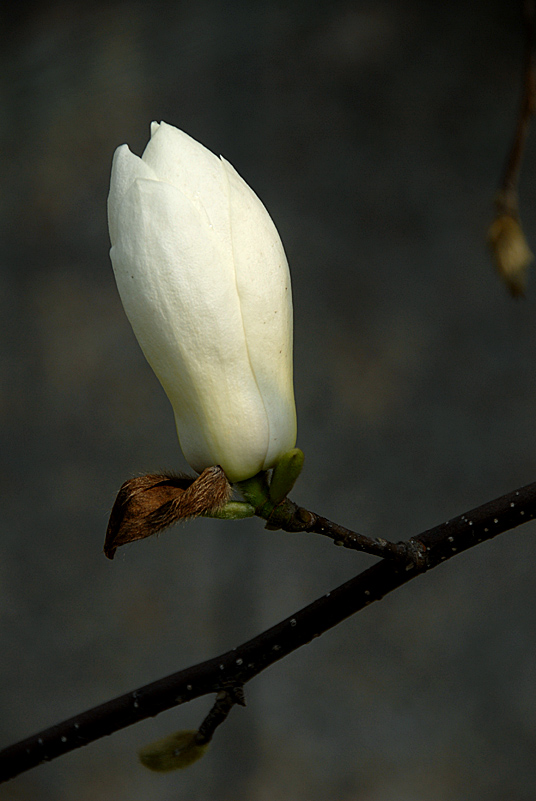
x=285 y=474
x=178 y=750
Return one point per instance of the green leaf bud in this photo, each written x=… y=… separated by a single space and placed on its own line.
x=177 y=751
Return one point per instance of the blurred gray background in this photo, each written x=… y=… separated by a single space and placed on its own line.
x=375 y=133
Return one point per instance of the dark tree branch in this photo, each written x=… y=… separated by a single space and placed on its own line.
x=234 y=668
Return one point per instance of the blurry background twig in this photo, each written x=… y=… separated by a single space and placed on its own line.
x=510 y=249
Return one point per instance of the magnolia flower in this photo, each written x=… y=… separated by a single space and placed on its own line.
x=205 y=283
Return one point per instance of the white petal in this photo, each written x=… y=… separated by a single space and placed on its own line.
x=179 y=160
x=188 y=321
x=126 y=167
x=263 y=282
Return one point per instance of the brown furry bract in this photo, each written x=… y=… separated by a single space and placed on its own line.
x=149 y=504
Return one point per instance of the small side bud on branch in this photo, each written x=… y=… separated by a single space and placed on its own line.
x=177 y=751
x=149 y=504
x=181 y=749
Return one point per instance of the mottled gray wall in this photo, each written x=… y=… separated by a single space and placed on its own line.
x=375 y=133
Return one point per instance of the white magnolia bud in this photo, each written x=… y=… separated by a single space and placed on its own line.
x=205 y=283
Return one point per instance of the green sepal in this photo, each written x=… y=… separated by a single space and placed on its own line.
x=256 y=492
x=285 y=474
x=233 y=510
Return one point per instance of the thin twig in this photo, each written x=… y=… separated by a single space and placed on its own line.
x=236 y=667
x=225 y=700
x=410 y=551
x=290 y=517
